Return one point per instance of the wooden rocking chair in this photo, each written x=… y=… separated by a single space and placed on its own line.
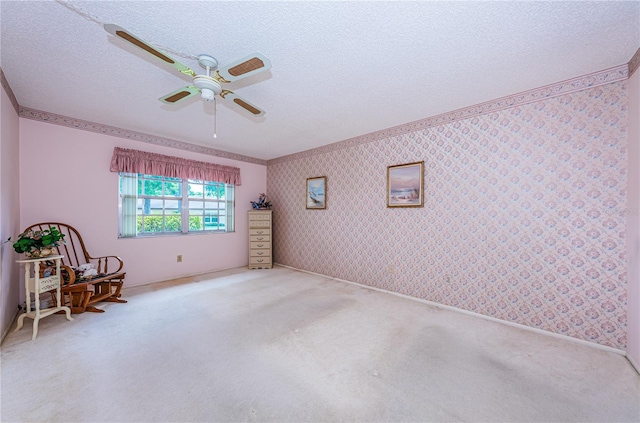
x=77 y=293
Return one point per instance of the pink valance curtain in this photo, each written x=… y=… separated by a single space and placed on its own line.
x=134 y=161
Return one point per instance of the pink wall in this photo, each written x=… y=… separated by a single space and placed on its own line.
x=633 y=221
x=72 y=183
x=9 y=212
x=524 y=216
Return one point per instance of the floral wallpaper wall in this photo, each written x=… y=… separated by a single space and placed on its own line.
x=524 y=215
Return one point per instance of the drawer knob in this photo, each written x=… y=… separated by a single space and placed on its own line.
x=259 y=260
x=260 y=253
x=260 y=245
x=260 y=238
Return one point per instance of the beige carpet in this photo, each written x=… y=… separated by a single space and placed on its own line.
x=285 y=346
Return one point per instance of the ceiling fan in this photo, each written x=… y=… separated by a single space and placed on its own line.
x=209 y=85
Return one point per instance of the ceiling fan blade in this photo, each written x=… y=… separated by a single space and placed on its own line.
x=180 y=94
x=247 y=66
x=129 y=37
x=238 y=101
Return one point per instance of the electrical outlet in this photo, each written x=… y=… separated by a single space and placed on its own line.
x=179 y=258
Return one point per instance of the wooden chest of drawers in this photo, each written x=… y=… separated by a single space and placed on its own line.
x=260 y=231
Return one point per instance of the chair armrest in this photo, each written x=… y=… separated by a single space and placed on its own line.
x=70 y=272
x=105 y=262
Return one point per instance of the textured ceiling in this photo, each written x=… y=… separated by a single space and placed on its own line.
x=339 y=69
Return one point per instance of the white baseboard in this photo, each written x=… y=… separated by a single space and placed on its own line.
x=9 y=326
x=633 y=363
x=482 y=316
x=189 y=275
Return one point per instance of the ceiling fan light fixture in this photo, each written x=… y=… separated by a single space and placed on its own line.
x=207 y=95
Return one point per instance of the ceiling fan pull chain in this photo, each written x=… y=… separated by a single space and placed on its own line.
x=215 y=118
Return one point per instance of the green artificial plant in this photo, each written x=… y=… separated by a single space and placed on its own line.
x=32 y=241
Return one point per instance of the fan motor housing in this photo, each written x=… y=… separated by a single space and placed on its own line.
x=208 y=87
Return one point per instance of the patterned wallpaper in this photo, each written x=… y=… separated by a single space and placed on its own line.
x=524 y=216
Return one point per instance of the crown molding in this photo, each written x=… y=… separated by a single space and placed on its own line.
x=607 y=76
x=603 y=77
x=9 y=91
x=634 y=63
x=84 y=125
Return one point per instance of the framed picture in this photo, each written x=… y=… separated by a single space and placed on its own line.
x=317 y=192
x=405 y=185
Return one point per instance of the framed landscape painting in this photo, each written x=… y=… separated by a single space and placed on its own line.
x=317 y=192
x=405 y=185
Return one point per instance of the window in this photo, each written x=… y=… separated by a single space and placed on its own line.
x=158 y=205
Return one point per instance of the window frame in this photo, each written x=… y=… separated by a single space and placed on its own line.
x=225 y=205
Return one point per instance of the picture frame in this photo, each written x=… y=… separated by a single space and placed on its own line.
x=405 y=185
x=316 y=193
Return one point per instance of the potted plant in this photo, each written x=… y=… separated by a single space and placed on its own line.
x=262 y=202
x=35 y=243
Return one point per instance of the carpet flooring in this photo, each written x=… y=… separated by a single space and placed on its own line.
x=280 y=345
